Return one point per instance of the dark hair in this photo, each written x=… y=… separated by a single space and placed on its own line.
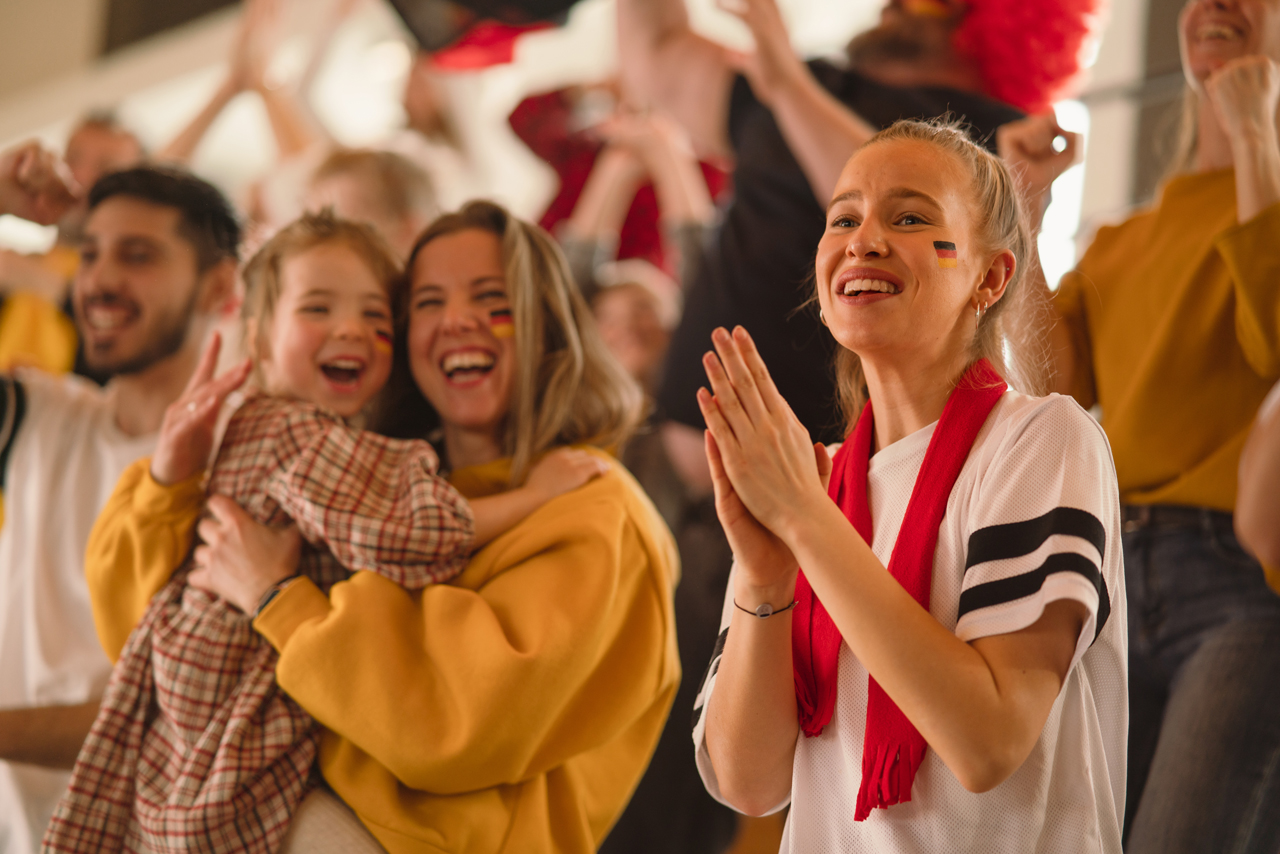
x=207 y=221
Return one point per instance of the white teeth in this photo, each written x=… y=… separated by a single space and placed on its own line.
x=106 y=319
x=466 y=360
x=878 y=285
x=346 y=364
x=1216 y=31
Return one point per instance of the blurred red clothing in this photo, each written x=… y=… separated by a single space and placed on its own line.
x=545 y=124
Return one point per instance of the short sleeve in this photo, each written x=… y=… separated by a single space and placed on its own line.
x=702 y=758
x=1043 y=525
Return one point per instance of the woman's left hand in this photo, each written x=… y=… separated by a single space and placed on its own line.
x=241 y=559
x=765 y=450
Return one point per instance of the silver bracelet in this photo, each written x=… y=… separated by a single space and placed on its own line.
x=765 y=610
x=272 y=592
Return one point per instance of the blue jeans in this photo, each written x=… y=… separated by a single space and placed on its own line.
x=1204 y=694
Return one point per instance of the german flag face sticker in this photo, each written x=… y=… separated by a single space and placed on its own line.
x=501 y=323
x=946 y=253
x=382 y=341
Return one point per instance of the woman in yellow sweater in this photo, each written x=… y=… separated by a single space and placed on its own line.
x=515 y=708
x=1171 y=325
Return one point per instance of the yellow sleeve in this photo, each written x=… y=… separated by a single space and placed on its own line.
x=141 y=536
x=1273 y=577
x=563 y=641
x=1072 y=312
x=35 y=333
x=1251 y=254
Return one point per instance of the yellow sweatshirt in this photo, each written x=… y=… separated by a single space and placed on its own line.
x=513 y=709
x=1175 y=315
x=33 y=331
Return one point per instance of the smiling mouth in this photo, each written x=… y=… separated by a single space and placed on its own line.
x=857 y=287
x=1217 y=32
x=108 y=315
x=343 y=371
x=467 y=365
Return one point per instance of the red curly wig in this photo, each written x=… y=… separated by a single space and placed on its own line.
x=1027 y=51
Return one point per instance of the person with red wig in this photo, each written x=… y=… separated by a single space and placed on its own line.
x=1170 y=323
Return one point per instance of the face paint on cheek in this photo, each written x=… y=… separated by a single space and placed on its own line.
x=501 y=324
x=946 y=253
x=382 y=341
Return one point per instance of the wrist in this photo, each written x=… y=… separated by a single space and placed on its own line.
x=802 y=517
x=269 y=595
x=163 y=477
x=778 y=594
x=1250 y=138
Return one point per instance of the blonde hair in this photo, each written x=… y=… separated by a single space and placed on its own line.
x=1187 y=137
x=401 y=187
x=1006 y=333
x=262 y=274
x=568 y=387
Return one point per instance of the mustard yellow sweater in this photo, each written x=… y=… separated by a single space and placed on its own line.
x=513 y=709
x=1176 y=319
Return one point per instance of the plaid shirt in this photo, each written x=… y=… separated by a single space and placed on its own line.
x=195 y=747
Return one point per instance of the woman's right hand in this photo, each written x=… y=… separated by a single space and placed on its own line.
x=186 y=434
x=763 y=561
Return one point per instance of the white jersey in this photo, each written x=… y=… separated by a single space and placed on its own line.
x=62 y=465
x=1034 y=517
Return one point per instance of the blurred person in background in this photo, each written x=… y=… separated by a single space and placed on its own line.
x=1170 y=323
x=157 y=263
x=36 y=329
x=637 y=306
x=380 y=188
x=430 y=141
x=790 y=126
x=646 y=198
x=629 y=180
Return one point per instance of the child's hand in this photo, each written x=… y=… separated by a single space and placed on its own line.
x=564 y=470
x=186 y=434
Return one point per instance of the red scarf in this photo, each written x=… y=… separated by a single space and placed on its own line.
x=893 y=748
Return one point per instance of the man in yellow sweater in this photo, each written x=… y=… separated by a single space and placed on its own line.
x=1170 y=324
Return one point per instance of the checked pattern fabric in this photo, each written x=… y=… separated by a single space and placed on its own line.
x=195 y=747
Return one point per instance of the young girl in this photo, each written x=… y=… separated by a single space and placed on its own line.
x=195 y=747
x=971 y=696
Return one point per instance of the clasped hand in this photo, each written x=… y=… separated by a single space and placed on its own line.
x=768 y=475
x=1245 y=92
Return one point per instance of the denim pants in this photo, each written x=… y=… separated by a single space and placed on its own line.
x=1204 y=693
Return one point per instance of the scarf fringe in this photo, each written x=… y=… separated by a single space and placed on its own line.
x=887 y=777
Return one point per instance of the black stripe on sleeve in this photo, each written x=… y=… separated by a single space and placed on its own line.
x=999 y=542
x=712 y=667
x=1028 y=583
x=13 y=406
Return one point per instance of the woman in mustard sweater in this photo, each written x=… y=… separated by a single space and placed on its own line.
x=514 y=708
x=1171 y=325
